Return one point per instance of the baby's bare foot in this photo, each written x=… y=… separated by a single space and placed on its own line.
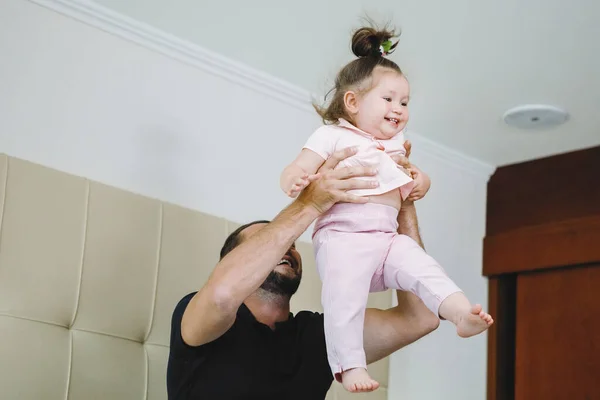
x=357 y=380
x=473 y=323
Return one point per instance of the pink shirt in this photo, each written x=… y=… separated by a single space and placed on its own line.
x=371 y=152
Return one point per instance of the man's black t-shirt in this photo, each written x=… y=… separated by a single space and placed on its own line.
x=251 y=361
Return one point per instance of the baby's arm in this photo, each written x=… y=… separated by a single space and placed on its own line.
x=296 y=176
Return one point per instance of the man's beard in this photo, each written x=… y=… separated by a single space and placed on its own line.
x=281 y=285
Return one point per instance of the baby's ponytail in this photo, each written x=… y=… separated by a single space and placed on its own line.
x=369 y=42
x=371 y=46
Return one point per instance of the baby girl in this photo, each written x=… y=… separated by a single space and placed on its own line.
x=357 y=247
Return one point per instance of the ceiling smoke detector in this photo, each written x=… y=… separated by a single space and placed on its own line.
x=535 y=116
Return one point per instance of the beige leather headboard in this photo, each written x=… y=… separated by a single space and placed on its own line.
x=89 y=276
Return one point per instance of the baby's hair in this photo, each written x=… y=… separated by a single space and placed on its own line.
x=367 y=45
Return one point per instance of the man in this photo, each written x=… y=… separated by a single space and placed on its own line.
x=236 y=339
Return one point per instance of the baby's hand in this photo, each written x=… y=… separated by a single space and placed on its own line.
x=298 y=184
x=422 y=184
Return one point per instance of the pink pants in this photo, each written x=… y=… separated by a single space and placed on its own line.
x=357 y=251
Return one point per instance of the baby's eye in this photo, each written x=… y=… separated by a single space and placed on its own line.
x=389 y=99
x=404 y=104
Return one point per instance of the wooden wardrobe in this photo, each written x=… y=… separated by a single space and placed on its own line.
x=542 y=258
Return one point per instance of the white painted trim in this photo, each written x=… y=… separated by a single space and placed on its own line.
x=108 y=20
x=450 y=156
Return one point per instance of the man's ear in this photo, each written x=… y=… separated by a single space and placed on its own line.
x=351 y=102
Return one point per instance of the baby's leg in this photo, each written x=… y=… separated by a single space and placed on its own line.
x=408 y=267
x=346 y=263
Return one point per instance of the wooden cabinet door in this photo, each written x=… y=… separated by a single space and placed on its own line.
x=558 y=334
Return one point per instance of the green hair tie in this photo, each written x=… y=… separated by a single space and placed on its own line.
x=386 y=47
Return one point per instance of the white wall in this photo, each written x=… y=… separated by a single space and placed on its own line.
x=78 y=99
x=452 y=219
x=169 y=123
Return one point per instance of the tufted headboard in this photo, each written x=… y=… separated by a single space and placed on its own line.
x=89 y=276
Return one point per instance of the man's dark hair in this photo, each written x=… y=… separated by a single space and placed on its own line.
x=233 y=240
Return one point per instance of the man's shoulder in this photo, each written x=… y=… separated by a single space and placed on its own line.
x=178 y=345
x=309 y=321
x=186 y=299
x=309 y=315
x=182 y=305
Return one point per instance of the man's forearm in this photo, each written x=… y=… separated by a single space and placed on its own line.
x=387 y=331
x=212 y=310
x=408 y=224
x=245 y=268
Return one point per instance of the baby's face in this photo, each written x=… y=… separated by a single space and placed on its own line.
x=383 y=111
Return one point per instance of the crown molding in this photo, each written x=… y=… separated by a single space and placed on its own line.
x=450 y=156
x=120 y=25
x=108 y=20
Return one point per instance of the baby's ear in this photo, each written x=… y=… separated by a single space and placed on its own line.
x=351 y=102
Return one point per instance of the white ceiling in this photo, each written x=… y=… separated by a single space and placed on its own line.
x=468 y=61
